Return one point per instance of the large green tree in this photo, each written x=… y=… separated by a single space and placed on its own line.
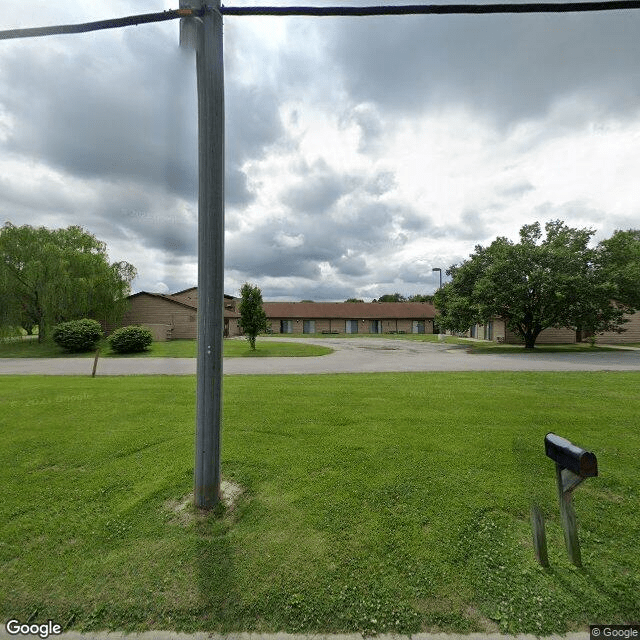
x=52 y=275
x=537 y=283
x=620 y=260
x=391 y=297
x=253 y=319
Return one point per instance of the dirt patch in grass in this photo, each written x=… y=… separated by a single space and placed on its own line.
x=184 y=512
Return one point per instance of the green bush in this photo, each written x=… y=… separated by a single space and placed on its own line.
x=130 y=339
x=78 y=335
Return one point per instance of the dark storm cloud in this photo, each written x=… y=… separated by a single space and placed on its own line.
x=252 y=125
x=342 y=238
x=511 y=67
x=319 y=189
x=300 y=289
x=352 y=265
x=127 y=108
x=105 y=107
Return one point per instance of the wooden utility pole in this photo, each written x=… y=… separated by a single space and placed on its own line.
x=205 y=33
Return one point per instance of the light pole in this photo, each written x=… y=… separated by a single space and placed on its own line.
x=439 y=270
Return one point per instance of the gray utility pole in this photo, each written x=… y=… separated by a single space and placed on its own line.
x=205 y=33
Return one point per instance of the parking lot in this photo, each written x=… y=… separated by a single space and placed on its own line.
x=351 y=355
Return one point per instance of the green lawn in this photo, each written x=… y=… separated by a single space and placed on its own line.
x=415 y=337
x=169 y=349
x=378 y=502
x=493 y=347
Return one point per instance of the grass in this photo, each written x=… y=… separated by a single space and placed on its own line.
x=415 y=337
x=372 y=503
x=169 y=349
x=492 y=347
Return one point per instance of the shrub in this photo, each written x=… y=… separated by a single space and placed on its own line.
x=130 y=339
x=78 y=335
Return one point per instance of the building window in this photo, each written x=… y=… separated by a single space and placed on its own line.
x=375 y=326
x=418 y=326
x=286 y=326
x=309 y=326
x=488 y=330
x=351 y=326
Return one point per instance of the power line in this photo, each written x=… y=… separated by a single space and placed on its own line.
x=114 y=23
x=434 y=9
x=410 y=9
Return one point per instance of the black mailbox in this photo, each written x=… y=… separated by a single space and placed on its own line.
x=569 y=456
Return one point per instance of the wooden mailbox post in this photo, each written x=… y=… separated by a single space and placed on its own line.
x=573 y=466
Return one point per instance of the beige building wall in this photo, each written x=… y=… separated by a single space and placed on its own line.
x=631 y=333
x=338 y=325
x=151 y=310
x=161 y=332
x=547 y=336
x=190 y=296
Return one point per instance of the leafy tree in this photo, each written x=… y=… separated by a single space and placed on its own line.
x=420 y=298
x=620 y=259
x=253 y=319
x=532 y=285
x=48 y=276
x=354 y=300
x=392 y=297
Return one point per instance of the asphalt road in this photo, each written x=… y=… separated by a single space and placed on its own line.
x=351 y=355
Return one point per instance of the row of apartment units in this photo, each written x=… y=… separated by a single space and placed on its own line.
x=174 y=316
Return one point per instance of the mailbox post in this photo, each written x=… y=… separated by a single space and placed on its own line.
x=573 y=466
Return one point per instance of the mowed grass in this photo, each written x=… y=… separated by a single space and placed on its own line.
x=170 y=349
x=372 y=503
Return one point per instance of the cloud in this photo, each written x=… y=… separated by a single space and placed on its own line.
x=360 y=153
x=510 y=67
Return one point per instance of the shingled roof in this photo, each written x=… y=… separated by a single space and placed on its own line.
x=350 y=310
x=228 y=313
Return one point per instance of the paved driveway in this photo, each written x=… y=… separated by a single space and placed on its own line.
x=352 y=355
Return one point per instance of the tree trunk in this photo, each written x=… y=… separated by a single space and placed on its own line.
x=530 y=336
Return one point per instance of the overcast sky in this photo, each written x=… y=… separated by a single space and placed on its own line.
x=360 y=152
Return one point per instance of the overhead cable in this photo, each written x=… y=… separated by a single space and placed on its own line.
x=389 y=10
x=434 y=9
x=114 y=23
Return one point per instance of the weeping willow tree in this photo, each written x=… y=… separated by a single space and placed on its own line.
x=52 y=275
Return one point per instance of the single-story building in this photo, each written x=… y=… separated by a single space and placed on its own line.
x=496 y=330
x=174 y=316
x=350 y=317
x=631 y=332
